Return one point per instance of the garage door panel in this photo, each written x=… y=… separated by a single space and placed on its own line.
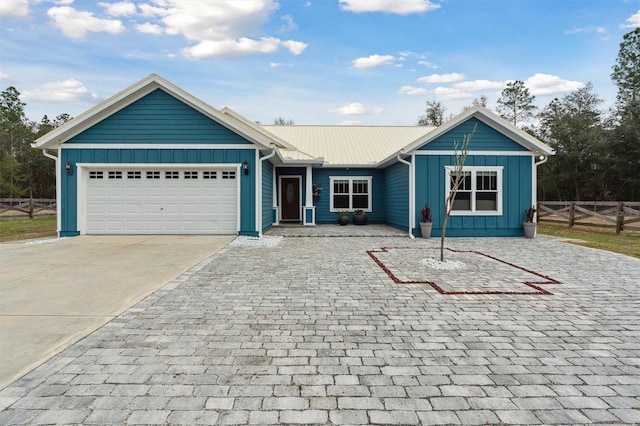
x=161 y=201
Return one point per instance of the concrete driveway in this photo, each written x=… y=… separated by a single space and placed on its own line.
x=54 y=292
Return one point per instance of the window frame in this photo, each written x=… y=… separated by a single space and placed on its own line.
x=474 y=191
x=351 y=179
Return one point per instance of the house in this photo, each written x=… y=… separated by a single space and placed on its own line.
x=154 y=159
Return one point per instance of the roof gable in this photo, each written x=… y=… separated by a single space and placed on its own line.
x=157 y=118
x=492 y=121
x=129 y=96
x=485 y=138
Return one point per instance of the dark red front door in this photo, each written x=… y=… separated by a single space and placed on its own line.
x=290 y=198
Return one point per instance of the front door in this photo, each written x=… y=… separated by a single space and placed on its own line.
x=290 y=198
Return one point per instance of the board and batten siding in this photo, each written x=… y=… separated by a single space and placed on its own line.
x=397 y=196
x=168 y=157
x=430 y=185
x=158 y=118
x=321 y=178
x=516 y=195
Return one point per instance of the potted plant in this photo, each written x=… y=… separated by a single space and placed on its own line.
x=359 y=217
x=426 y=223
x=343 y=217
x=529 y=225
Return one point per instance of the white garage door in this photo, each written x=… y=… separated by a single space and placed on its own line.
x=161 y=201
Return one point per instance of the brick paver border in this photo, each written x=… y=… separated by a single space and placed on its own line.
x=532 y=284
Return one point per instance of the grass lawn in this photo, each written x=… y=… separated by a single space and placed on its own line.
x=25 y=229
x=627 y=242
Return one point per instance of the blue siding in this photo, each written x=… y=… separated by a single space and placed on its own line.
x=516 y=180
x=321 y=178
x=69 y=225
x=397 y=196
x=485 y=139
x=158 y=118
x=267 y=195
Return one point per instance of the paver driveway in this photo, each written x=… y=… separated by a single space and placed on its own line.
x=315 y=331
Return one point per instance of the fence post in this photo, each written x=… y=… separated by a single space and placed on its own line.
x=620 y=218
x=572 y=213
x=30 y=203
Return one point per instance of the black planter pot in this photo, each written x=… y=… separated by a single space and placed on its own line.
x=343 y=220
x=359 y=219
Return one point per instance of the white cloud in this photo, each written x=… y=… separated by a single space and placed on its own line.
x=242 y=46
x=16 y=8
x=449 y=93
x=75 y=24
x=372 y=61
x=295 y=47
x=149 y=28
x=412 y=91
x=4 y=76
x=66 y=91
x=289 y=24
x=279 y=65
x=400 y=7
x=428 y=65
x=477 y=85
x=150 y=11
x=220 y=27
x=441 y=78
x=228 y=48
x=632 y=21
x=356 y=108
x=123 y=8
x=545 y=84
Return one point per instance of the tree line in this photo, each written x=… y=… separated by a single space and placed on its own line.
x=24 y=171
x=597 y=152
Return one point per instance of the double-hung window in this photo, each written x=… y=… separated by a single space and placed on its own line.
x=479 y=193
x=350 y=193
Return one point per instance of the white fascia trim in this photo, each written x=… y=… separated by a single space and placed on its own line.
x=496 y=153
x=156 y=146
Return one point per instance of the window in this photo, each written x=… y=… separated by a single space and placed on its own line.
x=95 y=175
x=208 y=174
x=115 y=175
x=350 y=193
x=228 y=175
x=191 y=175
x=153 y=175
x=171 y=175
x=480 y=192
x=134 y=175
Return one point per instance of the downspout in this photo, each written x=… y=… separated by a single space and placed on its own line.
x=261 y=160
x=58 y=190
x=534 y=193
x=411 y=194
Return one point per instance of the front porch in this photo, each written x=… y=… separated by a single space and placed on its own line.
x=329 y=230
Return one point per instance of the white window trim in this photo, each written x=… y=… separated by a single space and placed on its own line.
x=351 y=179
x=473 y=170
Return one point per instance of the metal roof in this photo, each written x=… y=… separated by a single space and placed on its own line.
x=347 y=145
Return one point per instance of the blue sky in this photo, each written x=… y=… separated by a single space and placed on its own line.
x=313 y=61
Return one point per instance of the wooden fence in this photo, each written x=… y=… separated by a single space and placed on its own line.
x=604 y=214
x=18 y=207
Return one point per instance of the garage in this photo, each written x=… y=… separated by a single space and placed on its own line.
x=161 y=200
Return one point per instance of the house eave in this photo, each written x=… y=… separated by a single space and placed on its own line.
x=138 y=90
